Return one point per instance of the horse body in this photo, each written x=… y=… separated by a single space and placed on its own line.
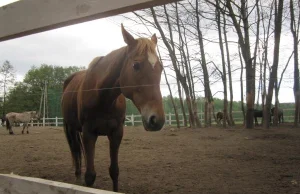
x=219 y=116
x=14 y=117
x=94 y=103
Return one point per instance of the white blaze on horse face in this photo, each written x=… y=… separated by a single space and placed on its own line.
x=152 y=58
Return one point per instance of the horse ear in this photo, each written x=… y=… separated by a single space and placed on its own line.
x=154 y=39
x=128 y=38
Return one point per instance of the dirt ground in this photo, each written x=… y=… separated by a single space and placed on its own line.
x=182 y=161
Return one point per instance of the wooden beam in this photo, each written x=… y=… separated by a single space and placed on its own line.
x=32 y=16
x=11 y=183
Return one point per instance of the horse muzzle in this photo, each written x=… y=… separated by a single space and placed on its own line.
x=153 y=122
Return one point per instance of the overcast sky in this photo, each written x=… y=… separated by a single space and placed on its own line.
x=77 y=45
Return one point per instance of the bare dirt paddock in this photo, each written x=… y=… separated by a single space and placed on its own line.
x=210 y=160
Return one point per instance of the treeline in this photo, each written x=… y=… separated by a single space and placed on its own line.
x=28 y=94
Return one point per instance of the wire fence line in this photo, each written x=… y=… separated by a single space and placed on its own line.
x=136 y=120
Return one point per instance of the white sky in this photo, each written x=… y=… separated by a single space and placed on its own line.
x=77 y=45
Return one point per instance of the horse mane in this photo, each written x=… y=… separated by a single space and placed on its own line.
x=94 y=61
x=69 y=79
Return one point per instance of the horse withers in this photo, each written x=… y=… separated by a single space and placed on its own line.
x=24 y=117
x=93 y=101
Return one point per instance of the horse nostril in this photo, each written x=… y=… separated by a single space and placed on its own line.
x=152 y=120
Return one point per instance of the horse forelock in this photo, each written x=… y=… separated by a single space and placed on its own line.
x=146 y=47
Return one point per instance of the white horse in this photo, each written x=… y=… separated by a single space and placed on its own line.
x=24 y=118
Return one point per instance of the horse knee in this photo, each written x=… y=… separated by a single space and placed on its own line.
x=90 y=178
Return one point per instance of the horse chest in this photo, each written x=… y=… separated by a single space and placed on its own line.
x=104 y=126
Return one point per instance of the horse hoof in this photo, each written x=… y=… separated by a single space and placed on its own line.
x=11 y=133
x=27 y=132
x=89 y=179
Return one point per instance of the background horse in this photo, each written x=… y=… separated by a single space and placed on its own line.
x=280 y=114
x=219 y=116
x=257 y=113
x=24 y=118
x=93 y=101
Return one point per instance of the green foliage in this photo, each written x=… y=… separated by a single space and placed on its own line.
x=26 y=95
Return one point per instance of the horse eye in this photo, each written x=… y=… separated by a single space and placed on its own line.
x=136 y=66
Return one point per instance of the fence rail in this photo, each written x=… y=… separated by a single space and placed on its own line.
x=134 y=120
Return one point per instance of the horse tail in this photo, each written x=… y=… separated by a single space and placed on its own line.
x=8 y=124
x=74 y=139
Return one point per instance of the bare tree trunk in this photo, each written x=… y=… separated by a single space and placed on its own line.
x=172 y=100
x=192 y=100
x=224 y=77
x=207 y=91
x=294 y=26
x=242 y=87
x=171 y=95
x=244 y=42
x=273 y=75
x=181 y=104
x=231 y=121
x=266 y=34
x=180 y=77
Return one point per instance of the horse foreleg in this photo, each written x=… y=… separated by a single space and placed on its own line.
x=89 y=141
x=114 y=144
x=11 y=131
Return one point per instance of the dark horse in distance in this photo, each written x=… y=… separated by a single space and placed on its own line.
x=219 y=116
x=259 y=113
x=93 y=102
x=280 y=114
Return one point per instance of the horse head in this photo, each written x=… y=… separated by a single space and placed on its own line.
x=140 y=79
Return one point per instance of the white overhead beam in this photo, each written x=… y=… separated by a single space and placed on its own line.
x=27 y=17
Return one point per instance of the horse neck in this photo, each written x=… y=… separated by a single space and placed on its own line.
x=105 y=75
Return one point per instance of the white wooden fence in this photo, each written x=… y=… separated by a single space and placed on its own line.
x=134 y=120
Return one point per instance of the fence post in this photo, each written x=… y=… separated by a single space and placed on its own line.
x=170 y=119
x=31 y=123
x=132 y=120
x=43 y=121
x=56 y=123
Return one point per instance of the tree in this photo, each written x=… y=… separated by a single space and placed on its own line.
x=273 y=75
x=27 y=94
x=8 y=77
x=294 y=26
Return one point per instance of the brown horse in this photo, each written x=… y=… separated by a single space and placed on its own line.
x=94 y=103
